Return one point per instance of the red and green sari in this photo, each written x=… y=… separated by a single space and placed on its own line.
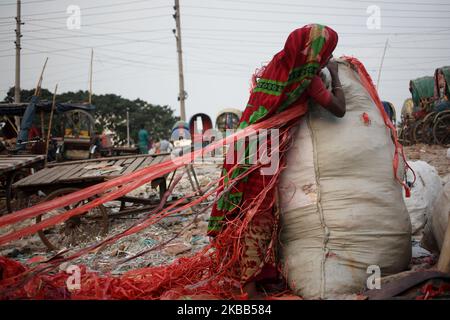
x=282 y=84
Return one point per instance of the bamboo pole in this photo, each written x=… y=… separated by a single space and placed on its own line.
x=12 y=124
x=47 y=141
x=37 y=91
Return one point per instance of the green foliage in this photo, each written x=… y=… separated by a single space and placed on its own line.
x=111 y=113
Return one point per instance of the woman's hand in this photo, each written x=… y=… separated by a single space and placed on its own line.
x=332 y=66
x=337 y=104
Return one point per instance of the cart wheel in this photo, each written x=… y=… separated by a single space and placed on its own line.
x=401 y=136
x=427 y=131
x=76 y=230
x=441 y=130
x=14 y=201
x=404 y=136
x=408 y=135
x=418 y=133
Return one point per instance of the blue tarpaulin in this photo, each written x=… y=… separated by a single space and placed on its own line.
x=18 y=109
x=27 y=122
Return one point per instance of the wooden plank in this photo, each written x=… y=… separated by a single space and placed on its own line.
x=152 y=160
x=126 y=163
x=160 y=159
x=133 y=166
x=124 y=167
x=145 y=163
x=61 y=172
x=17 y=160
x=24 y=180
x=119 y=162
x=85 y=173
x=20 y=155
x=40 y=177
x=112 y=162
x=37 y=177
x=100 y=159
x=80 y=170
x=91 y=172
x=13 y=163
x=67 y=172
x=13 y=160
x=129 y=160
x=8 y=164
x=23 y=157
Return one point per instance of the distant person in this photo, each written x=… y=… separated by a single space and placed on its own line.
x=165 y=146
x=96 y=139
x=143 y=140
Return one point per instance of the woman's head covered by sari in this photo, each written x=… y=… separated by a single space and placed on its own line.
x=279 y=84
x=313 y=43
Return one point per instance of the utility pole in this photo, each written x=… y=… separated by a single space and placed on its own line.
x=90 y=76
x=17 y=42
x=177 y=32
x=128 y=127
x=381 y=64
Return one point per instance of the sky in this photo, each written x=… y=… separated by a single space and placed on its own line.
x=224 y=42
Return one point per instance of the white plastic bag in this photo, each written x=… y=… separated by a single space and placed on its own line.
x=424 y=192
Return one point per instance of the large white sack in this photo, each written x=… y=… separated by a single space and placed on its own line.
x=436 y=226
x=424 y=192
x=342 y=209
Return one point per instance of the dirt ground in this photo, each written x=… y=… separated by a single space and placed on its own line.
x=432 y=154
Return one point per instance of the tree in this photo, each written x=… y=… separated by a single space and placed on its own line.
x=111 y=112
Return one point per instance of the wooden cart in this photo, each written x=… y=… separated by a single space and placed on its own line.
x=59 y=179
x=12 y=169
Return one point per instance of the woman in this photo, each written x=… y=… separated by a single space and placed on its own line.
x=143 y=140
x=289 y=80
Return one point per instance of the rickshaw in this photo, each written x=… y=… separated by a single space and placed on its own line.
x=200 y=126
x=390 y=110
x=422 y=92
x=404 y=128
x=77 y=126
x=441 y=110
x=181 y=135
x=228 y=119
